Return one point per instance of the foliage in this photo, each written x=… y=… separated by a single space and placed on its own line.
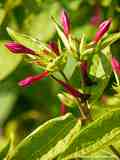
x=79 y=74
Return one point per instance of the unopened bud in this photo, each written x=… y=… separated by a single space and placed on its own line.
x=18 y=48
x=31 y=79
x=103 y=28
x=65 y=21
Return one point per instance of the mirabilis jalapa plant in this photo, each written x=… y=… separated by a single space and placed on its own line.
x=92 y=60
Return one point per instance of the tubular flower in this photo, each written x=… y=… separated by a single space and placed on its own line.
x=71 y=90
x=103 y=28
x=18 y=48
x=32 y=79
x=54 y=47
x=115 y=65
x=65 y=21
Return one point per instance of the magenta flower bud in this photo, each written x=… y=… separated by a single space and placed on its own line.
x=63 y=109
x=65 y=21
x=115 y=65
x=54 y=47
x=103 y=28
x=31 y=79
x=18 y=48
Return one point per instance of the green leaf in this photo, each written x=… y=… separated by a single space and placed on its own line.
x=4 y=151
x=70 y=66
x=62 y=35
x=8 y=97
x=107 y=140
x=44 y=138
x=8 y=61
x=63 y=144
x=26 y=40
x=94 y=133
x=101 y=71
x=39 y=24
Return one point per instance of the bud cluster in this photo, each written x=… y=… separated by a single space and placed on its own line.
x=53 y=58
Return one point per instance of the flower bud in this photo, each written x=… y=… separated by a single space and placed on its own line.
x=65 y=21
x=18 y=48
x=31 y=79
x=115 y=65
x=103 y=28
x=54 y=47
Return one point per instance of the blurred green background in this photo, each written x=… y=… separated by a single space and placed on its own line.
x=23 y=109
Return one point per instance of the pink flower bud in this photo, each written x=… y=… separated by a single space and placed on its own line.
x=103 y=28
x=65 y=21
x=54 y=47
x=115 y=65
x=63 y=109
x=18 y=48
x=31 y=79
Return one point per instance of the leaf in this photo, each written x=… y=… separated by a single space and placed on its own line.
x=70 y=66
x=44 y=138
x=94 y=132
x=107 y=140
x=101 y=71
x=62 y=35
x=8 y=61
x=4 y=151
x=8 y=97
x=25 y=40
x=39 y=25
x=63 y=144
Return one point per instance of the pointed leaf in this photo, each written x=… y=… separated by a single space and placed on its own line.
x=94 y=132
x=44 y=138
